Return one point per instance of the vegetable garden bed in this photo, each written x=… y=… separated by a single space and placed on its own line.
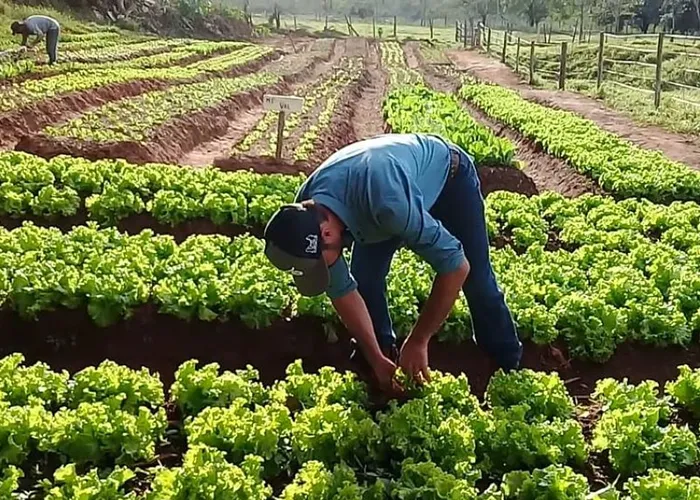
x=45 y=101
x=315 y=435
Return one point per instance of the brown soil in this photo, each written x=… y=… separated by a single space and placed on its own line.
x=167 y=144
x=368 y=120
x=172 y=140
x=411 y=51
x=18 y=124
x=505 y=179
x=685 y=149
x=206 y=153
x=547 y=172
x=492 y=178
x=262 y=165
x=69 y=339
x=134 y=224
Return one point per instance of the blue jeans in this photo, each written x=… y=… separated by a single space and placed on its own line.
x=460 y=208
x=52 y=45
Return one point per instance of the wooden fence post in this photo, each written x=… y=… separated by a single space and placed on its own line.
x=562 y=65
x=456 y=31
x=488 y=42
x=465 y=33
x=601 y=46
x=532 y=62
x=517 y=57
x=295 y=23
x=431 y=27
x=374 y=27
x=394 y=26
x=505 y=47
x=659 y=64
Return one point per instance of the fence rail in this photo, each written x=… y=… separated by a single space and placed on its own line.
x=614 y=60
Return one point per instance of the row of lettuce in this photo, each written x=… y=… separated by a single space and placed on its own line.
x=82 y=47
x=316 y=434
x=591 y=271
x=593 y=298
x=618 y=166
x=321 y=98
x=137 y=119
x=16 y=96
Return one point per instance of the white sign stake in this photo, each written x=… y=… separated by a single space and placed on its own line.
x=283 y=105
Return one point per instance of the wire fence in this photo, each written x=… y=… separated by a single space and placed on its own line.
x=656 y=64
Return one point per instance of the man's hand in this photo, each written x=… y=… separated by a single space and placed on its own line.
x=385 y=371
x=353 y=312
x=414 y=359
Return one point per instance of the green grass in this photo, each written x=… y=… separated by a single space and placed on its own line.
x=671 y=115
x=364 y=27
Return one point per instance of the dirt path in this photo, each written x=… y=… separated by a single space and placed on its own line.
x=368 y=120
x=206 y=153
x=685 y=149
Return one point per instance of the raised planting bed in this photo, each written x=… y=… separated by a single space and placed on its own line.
x=110 y=429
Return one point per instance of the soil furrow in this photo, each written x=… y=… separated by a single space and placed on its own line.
x=206 y=153
x=69 y=339
x=547 y=172
x=18 y=124
x=174 y=139
x=368 y=120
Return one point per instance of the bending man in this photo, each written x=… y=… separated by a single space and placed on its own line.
x=375 y=195
x=41 y=26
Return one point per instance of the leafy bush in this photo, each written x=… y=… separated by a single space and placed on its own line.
x=685 y=390
x=509 y=442
x=544 y=395
x=96 y=433
x=20 y=385
x=117 y=385
x=423 y=431
x=637 y=442
x=425 y=480
x=205 y=473
x=555 y=481
x=68 y=485
x=197 y=388
x=315 y=482
x=334 y=433
x=239 y=431
x=659 y=483
x=301 y=390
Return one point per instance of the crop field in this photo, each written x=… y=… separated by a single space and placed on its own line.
x=148 y=349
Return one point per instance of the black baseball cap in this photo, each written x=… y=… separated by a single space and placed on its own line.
x=293 y=243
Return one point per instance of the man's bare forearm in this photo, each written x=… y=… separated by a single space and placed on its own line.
x=354 y=314
x=442 y=297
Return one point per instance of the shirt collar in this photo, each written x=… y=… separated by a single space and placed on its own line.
x=339 y=209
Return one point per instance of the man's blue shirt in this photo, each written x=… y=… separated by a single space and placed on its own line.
x=383 y=188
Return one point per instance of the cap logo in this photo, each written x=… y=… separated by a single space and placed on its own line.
x=296 y=272
x=312 y=243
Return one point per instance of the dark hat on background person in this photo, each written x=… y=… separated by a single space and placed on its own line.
x=16 y=27
x=293 y=243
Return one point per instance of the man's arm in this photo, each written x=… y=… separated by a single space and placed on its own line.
x=25 y=37
x=442 y=297
x=354 y=314
x=406 y=217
